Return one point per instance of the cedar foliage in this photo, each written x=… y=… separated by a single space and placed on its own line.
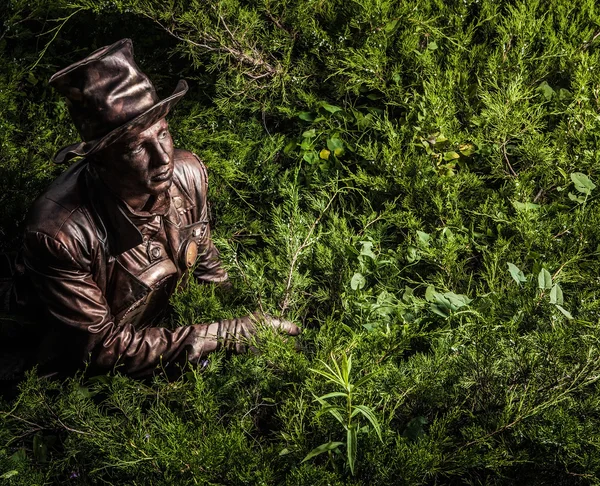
x=413 y=182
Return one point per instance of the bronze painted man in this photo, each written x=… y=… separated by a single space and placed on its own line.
x=107 y=243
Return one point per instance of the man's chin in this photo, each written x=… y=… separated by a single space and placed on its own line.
x=158 y=187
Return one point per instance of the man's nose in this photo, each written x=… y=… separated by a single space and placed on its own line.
x=161 y=154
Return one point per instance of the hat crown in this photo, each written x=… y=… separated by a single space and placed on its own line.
x=105 y=90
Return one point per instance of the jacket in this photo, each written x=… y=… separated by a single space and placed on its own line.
x=99 y=280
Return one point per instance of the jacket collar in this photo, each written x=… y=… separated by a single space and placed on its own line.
x=119 y=231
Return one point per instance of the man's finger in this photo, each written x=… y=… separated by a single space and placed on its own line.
x=283 y=324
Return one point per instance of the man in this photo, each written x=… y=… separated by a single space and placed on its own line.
x=108 y=241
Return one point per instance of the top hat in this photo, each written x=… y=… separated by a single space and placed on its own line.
x=109 y=98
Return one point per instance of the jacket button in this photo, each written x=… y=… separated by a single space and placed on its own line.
x=197 y=231
x=177 y=202
x=156 y=252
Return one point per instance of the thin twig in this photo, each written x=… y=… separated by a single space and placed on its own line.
x=305 y=244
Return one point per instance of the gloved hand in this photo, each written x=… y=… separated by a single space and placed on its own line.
x=234 y=334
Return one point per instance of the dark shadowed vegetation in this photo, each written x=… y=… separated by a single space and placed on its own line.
x=412 y=181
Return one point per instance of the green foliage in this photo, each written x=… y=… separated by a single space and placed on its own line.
x=412 y=182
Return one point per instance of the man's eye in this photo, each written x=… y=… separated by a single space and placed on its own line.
x=137 y=150
x=163 y=134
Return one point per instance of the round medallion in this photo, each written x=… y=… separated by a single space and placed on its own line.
x=190 y=253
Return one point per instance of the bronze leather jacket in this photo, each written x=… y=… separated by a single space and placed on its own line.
x=99 y=280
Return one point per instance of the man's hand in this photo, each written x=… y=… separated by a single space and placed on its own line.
x=235 y=334
x=277 y=323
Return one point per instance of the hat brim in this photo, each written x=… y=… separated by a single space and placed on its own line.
x=129 y=129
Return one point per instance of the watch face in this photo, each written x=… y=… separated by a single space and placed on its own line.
x=190 y=253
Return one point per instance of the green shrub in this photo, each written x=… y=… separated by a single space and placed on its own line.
x=412 y=182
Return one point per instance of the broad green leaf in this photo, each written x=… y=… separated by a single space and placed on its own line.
x=516 y=273
x=358 y=281
x=311 y=157
x=525 y=206
x=544 y=279
x=579 y=199
x=432 y=46
x=306 y=116
x=390 y=26
x=467 y=149
x=546 y=90
x=556 y=295
x=309 y=133
x=367 y=250
x=582 y=183
x=331 y=108
x=449 y=156
x=329 y=446
x=409 y=295
x=284 y=452
x=412 y=254
x=351 y=444
x=423 y=238
x=566 y=313
x=430 y=293
x=335 y=145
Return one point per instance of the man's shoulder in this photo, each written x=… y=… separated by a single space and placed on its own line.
x=59 y=205
x=189 y=169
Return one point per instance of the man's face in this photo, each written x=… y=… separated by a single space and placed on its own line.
x=140 y=166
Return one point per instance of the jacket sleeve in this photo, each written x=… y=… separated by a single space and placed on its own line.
x=76 y=304
x=208 y=266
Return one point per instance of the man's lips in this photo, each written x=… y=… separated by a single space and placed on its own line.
x=163 y=176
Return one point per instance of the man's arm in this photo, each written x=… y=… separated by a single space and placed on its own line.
x=73 y=299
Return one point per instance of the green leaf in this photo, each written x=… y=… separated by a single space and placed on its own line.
x=309 y=133
x=544 y=279
x=358 y=281
x=324 y=154
x=330 y=108
x=579 y=199
x=423 y=238
x=449 y=156
x=516 y=273
x=333 y=394
x=546 y=90
x=390 y=26
x=306 y=116
x=351 y=444
x=432 y=46
x=565 y=312
x=582 y=183
x=311 y=157
x=430 y=293
x=335 y=145
x=467 y=149
x=367 y=250
x=329 y=446
x=524 y=206
x=9 y=474
x=370 y=416
x=412 y=254
x=284 y=452
x=556 y=295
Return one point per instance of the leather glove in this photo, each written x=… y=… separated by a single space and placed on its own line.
x=234 y=334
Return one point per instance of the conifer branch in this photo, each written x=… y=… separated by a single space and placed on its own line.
x=305 y=244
